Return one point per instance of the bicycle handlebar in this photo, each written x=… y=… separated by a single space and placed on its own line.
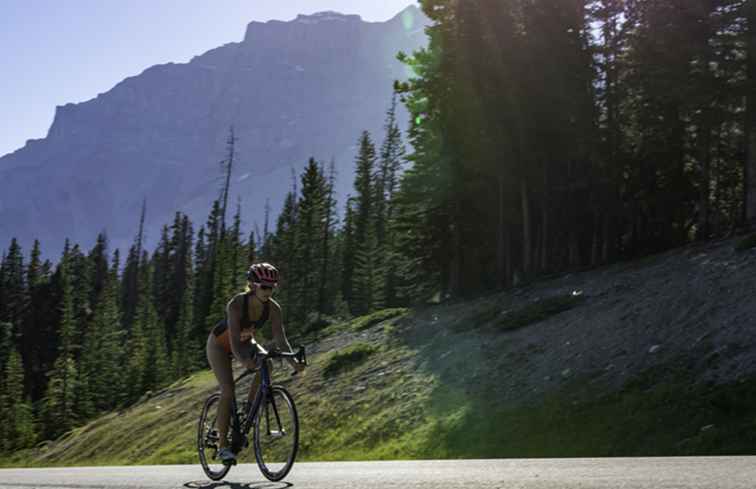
x=299 y=356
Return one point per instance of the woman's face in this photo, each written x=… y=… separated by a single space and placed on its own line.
x=263 y=292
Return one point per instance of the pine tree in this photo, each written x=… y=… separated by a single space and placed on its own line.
x=237 y=254
x=391 y=159
x=365 y=245
x=59 y=412
x=130 y=280
x=283 y=244
x=59 y=405
x=98 y=258
x=209 y=279
x=162 y=277
x=222 y=283
x=69 y=346
x=6 y=342
x=227 y=167
x=140 y=335
x=423 y=203
x=18 y=430
x=304 y=277
x=347 y=239
x=14 y=295
x=251 y=249
x=186 y=351
x=328 y=275
x=103 y=351
x=35 y=324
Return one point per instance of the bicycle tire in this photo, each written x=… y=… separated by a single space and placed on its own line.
x=207 y=435
x=271 y=413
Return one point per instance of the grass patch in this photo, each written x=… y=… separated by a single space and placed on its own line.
x=347 y=358
x=504 y=320
x=671 y=416
x=364 y=322
x=539 y=311
x=746 y=243
x=480 y=316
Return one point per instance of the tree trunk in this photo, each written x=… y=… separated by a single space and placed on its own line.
x=543 y=258
x=596 y=239
x=455 y=264
x=574 y=254
x=607 y=237
x=501 y=272
x=704 y=140
x=508 y=258
x=526 y=238
x=749 y=170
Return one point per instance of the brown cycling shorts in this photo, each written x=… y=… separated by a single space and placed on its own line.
x=220 y=360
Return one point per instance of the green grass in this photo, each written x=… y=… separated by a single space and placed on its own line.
x=362 y=323
x=538 y=311
x=746 y=243
x=348 y=358
x=494 y=318
x=384 y=398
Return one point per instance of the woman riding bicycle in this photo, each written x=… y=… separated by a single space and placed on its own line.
x=235 y=337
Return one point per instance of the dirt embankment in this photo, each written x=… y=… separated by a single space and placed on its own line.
x=696 y=304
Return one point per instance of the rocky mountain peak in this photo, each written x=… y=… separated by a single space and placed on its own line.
x=291 y=90
x=326 y=16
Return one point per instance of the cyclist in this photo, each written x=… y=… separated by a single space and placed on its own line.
x=234 y=337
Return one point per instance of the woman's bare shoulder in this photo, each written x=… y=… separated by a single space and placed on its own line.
x=235 y=302
x=274 y=306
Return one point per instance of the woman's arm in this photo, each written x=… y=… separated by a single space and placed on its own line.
x=233 y=313
x=279 y=334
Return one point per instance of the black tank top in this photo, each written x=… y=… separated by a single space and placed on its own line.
x=246 y=321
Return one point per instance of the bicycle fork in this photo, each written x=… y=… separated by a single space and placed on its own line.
x=281 y=431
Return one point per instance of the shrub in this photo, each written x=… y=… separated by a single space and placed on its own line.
x=746 y=243
x=348 y=358
x=538 y=311
x=364 y=322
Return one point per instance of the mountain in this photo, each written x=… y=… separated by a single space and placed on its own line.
x=291 y=90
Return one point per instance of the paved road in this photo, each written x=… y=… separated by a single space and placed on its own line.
x=624 y=473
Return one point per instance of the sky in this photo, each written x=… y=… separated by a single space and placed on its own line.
x=58 y=52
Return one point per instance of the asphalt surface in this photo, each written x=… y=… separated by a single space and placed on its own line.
x=625 y=473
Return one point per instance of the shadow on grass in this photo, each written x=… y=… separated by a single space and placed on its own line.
x=660 y=412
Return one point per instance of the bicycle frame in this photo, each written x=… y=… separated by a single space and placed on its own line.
x=240 y=432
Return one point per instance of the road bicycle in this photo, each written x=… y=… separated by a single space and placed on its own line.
x=273 y=416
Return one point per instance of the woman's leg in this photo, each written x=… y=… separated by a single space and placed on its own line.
x=220 y=362
x=257 y=377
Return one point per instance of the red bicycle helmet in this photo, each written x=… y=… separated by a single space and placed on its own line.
x=263 y=273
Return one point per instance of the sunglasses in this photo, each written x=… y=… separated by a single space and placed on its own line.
x=266 y=287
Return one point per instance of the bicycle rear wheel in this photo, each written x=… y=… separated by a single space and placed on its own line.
x=276 y=434
x=207 y=440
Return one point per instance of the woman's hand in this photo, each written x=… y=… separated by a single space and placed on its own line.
x=298 y=366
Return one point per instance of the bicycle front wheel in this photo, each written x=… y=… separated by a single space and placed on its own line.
x=208 y=439
x=276 y=434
